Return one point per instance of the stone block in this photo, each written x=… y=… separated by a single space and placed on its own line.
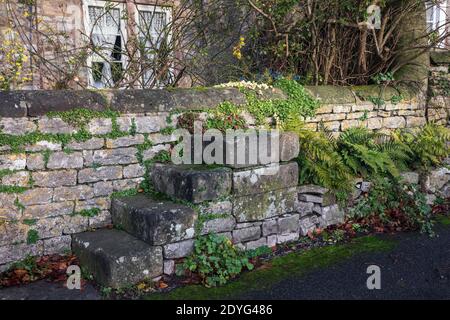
x=35 y=161
x=43 y=145
x=55 y=179
x=169 y=267
x=179 y=249
x=115 y=156
x=252 y=245
x=101 y=220
x=289 y=146
x=62 y=160
x=192 y=183
x=331 y=215
x=264 y=205
x=436 y=179
x=103 y=188
x=290 y=237
x=125 y=141
x=99 y=174
x=13 y=161
x=288 y=224
x=100 y=126
x=48 y=210
x=17 y=126
x=116 y=259
x=91 y=144
x=55 y=126
x=81 y=192
x=216 y=207
x=133 y=171
x=247 y=234
x=394 y=122
x=312 y=189
x=153 y=221
x=304 y=208
x=57 y=245
x=18 y=178
x=269 y=227
x=150 y=124
x=36 y=196
x=265 y=179
x=218 y=225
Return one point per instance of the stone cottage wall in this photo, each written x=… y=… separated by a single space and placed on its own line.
x=52 y=178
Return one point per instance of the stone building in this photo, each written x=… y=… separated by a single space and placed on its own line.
x=111 y=26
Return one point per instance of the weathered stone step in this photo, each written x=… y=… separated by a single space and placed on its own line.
x=115 y=258
x=155 y=222
x=243 y=150
x=194 y=183
x=265 y=179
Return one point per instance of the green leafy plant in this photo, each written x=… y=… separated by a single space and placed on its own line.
x=334 y=236
x=368 y=153
x=216 y=260
x=428 y=144
x=383 y=78
x=92 y=212
x=377 y=101
x=392 y=205
x=32 y=236
x=29 y=263
x=264 y=250
x=319 y=161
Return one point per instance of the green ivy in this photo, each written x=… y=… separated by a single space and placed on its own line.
x=215 y=259
x=12 y=189
x=29 y=222
x=81 y=117
x=90 y=213
x=32 y=236
x=124 y=193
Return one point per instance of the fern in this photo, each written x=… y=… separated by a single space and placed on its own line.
x=319 y=161
x=429 y=144
x=372 y=154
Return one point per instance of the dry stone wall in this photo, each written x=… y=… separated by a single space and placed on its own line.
x=58 y=178
x=438 y=105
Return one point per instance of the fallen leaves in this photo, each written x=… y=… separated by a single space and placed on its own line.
x=52 y=267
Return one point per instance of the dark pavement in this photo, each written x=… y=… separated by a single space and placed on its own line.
x=417 y=268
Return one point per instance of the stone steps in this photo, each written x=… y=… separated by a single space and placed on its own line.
x=193 y=183
x=145 y=229
x=155 y=222
x=115 y=258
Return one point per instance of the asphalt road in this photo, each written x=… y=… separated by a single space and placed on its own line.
x=418 y=268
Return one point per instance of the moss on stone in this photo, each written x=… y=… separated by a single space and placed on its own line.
x=440 y=57
x=332 y=94
x=293 y=264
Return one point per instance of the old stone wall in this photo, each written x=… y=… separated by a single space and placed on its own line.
x=58 y=173
x=438 y=105
x=373 y=107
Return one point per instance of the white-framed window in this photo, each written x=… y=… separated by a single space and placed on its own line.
x=154 y=32
x=437 y=17
x=107 y=31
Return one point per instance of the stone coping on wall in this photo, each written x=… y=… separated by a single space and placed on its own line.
x=440 y=57
x=35 y=103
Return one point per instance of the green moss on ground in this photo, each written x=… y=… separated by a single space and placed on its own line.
x=282 y=267
x=444 y=220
